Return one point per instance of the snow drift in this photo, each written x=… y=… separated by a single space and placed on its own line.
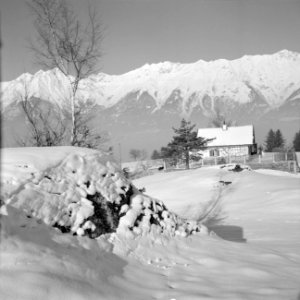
x=87 y=194
x=38 y=261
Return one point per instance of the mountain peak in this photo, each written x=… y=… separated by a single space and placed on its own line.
x=288 y=54
x=273 y=78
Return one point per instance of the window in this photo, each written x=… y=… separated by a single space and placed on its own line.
x=214 y=152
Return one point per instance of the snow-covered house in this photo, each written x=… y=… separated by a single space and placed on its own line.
x=229 y=140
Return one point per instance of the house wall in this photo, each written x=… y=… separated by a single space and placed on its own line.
x=225 y=151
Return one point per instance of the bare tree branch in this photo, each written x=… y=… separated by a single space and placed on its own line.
x=45 y=127
x=63 y=42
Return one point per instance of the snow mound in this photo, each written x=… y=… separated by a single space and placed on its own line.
x=88 y=195
x=235 y=167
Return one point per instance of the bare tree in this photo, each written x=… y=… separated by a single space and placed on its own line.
x=143 y=155
x=45 y=124
x=85 y=136
x=138 y=154
x=135 y=153
x=63 y=42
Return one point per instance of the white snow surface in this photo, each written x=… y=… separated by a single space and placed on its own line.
x=64 y=195
x=275 y=77
x=257 y=258
x=232 y=135
x=277 y=173
x=19 y=165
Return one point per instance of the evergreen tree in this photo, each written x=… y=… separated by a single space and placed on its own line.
x=270 y=141
x=184 y=141
x=296 y=141
x=279 y=140
x=170 y=154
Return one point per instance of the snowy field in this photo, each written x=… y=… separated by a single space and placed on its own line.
x=253 y=254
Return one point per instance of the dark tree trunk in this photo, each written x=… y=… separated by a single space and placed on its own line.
x=187 y=159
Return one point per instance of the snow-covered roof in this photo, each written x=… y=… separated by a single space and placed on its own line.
x=231 y=136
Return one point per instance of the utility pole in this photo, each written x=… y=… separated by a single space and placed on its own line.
x=0 y=79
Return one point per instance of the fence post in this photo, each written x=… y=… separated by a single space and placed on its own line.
x=286 y=156
x=202 y=162
x=244 y=159
x=295 y=166
x=165 y=165
x=215 y=160
x=259 y=158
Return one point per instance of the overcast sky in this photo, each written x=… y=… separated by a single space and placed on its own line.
x=150 y=31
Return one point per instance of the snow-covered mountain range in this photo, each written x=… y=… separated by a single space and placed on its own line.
x=153 y=97
x=275 y=77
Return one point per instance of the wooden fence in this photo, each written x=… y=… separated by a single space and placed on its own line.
x=285 y=161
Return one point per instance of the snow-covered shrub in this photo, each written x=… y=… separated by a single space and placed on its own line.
x=89 y=195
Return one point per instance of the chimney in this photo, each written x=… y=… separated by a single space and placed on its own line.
x=224 y=127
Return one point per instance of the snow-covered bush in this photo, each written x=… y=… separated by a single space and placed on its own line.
x=89 y=195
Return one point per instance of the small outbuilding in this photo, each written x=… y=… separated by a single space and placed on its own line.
x=229 y=141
